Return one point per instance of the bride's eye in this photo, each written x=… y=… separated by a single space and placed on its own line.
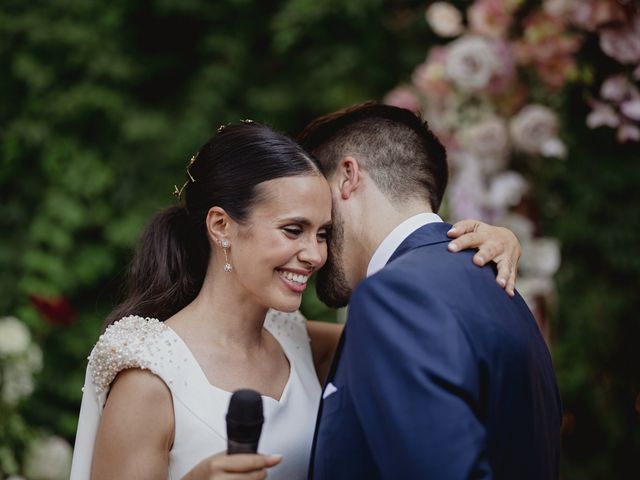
x=293 y=231
x=323 y=235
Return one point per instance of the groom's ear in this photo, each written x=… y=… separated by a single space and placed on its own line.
x=348 y=176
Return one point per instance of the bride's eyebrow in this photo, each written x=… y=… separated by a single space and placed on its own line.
x=299 y=220
x=303 y=221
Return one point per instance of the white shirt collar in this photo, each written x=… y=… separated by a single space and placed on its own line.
x=398 y=235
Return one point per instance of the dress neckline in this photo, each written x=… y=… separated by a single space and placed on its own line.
x=270 y=400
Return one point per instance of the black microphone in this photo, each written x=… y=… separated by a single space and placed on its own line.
x=244 y=422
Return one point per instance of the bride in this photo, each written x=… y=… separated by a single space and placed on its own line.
x=212 y=306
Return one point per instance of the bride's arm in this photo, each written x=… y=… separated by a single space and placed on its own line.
x=324 y=340
x=136 y=434
x=136 y=429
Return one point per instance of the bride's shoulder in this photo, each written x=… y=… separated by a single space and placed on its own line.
x=131 y=342
x=287 y=324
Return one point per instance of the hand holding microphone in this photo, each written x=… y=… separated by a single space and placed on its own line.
x=240 y=462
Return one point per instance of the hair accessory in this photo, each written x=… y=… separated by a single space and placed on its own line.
x=223 y=126
x=225 y=246
x=246 y=121
x=178 y=191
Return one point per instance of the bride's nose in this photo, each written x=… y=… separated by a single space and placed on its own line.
x=313 y=253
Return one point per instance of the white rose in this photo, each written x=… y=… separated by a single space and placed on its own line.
x=488 y=140
x=48 y=459
x=17 y=381
x=540 y=257
x=553 y=147
x=14 y=336
x=506 y=190
x=535 y=130
x=444 y=19
x=471 y=62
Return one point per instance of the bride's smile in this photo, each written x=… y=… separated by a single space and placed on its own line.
x=282 y=243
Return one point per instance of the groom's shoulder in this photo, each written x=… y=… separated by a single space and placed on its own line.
x=435 y=266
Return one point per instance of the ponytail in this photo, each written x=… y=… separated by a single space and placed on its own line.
x=168 y=267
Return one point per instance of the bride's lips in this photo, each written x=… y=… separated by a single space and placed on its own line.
x=295 y=280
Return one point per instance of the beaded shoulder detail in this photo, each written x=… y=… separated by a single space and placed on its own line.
x=128 y=343
x=287 y=324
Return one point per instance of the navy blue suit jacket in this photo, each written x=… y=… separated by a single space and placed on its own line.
x=440 y=375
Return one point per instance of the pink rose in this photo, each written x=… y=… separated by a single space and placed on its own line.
x=592 y=14
x=472 y=62
x=602 y=114
x=615 y=88
x=631 y=109
x=628 y=132
x=535 y=130
x=488 y=141
x=430 y=77
x=622 y=42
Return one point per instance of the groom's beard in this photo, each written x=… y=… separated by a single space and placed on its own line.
x=331 y=285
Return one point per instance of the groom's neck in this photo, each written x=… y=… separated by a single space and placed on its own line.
x=384 y=215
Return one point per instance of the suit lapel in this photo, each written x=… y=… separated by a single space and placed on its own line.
x=330 y=376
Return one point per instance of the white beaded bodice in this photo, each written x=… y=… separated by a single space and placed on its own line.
x=199 y=407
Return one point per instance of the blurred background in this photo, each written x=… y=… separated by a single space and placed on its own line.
x=103 y=103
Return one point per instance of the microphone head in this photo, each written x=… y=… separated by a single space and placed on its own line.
x=245 y=417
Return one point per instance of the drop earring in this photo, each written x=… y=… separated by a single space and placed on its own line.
x=225 y=246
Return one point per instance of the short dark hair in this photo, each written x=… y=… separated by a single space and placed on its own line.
x=395 y=146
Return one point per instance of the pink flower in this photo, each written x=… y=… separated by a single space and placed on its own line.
x=490 y=17
x=488 y=140
x=602 y=115
x=631 y=109
x=505 y=72
x=592 y=14
x=615 y=88
x=444 y=19
x=628 y=132
x=403 y=97
x=622 y=42
x=472 y=62
x=430 y=77
x=535 y=130
x=548 y=47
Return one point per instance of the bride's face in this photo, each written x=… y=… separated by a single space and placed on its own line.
x=283 y=241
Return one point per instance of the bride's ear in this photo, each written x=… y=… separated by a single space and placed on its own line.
x=218 y=225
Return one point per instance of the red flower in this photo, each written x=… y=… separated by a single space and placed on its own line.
x=56 y=311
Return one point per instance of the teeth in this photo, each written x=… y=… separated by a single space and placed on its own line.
x=302 y=279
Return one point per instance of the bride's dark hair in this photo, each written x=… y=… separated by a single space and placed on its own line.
x=171 y=258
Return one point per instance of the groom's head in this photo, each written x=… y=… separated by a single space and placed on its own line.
x=381 y=162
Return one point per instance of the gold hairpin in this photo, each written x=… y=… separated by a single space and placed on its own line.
x=178 y=191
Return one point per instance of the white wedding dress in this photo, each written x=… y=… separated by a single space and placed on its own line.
x=199 y=407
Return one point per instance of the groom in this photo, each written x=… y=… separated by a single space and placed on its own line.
x=439 y=374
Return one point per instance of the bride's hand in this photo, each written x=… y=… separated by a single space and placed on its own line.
x=493 y=243
x=233 y=467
